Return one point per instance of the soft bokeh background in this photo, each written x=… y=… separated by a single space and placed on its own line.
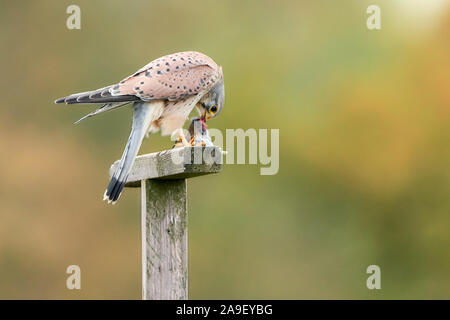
x=364 y=148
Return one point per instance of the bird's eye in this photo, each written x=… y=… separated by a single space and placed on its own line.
x=213 y=109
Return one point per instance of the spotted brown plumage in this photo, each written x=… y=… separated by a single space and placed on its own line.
x=163 y=93
x=171 y=77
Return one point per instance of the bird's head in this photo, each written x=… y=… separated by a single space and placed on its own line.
x=212 y=102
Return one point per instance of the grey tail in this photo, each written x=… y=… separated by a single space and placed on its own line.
x=102 y=95
x=104 y=108
x=141 y=121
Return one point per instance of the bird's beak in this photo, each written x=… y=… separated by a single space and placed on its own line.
x=205 y=116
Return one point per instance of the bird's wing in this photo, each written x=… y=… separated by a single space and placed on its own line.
x=180 y=59
x=104 y=108
x=143 y=114
x=171 y=77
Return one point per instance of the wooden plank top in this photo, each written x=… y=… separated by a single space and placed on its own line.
x=177 y=163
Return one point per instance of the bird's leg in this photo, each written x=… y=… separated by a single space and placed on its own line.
x=192 y=141
x=181 y=140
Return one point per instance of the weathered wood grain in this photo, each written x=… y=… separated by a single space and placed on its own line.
x=175 y=163
x=162 y=178
x=164 y=243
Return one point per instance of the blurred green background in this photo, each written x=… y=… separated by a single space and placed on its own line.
x=364 y=148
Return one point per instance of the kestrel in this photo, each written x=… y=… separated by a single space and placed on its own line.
x=163 y=93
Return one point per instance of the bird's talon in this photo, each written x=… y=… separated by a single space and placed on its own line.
x=197 y=143
x=178 y=143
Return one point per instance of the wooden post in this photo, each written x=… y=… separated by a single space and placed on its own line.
x=162 y=178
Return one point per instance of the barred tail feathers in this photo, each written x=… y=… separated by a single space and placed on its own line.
x=144 y=114
x=142 y=117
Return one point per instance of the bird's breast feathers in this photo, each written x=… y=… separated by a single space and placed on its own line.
x=172 y=114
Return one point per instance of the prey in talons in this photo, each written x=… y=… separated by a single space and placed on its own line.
x=198 y=132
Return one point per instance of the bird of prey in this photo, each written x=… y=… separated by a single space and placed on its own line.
x=163 y=93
